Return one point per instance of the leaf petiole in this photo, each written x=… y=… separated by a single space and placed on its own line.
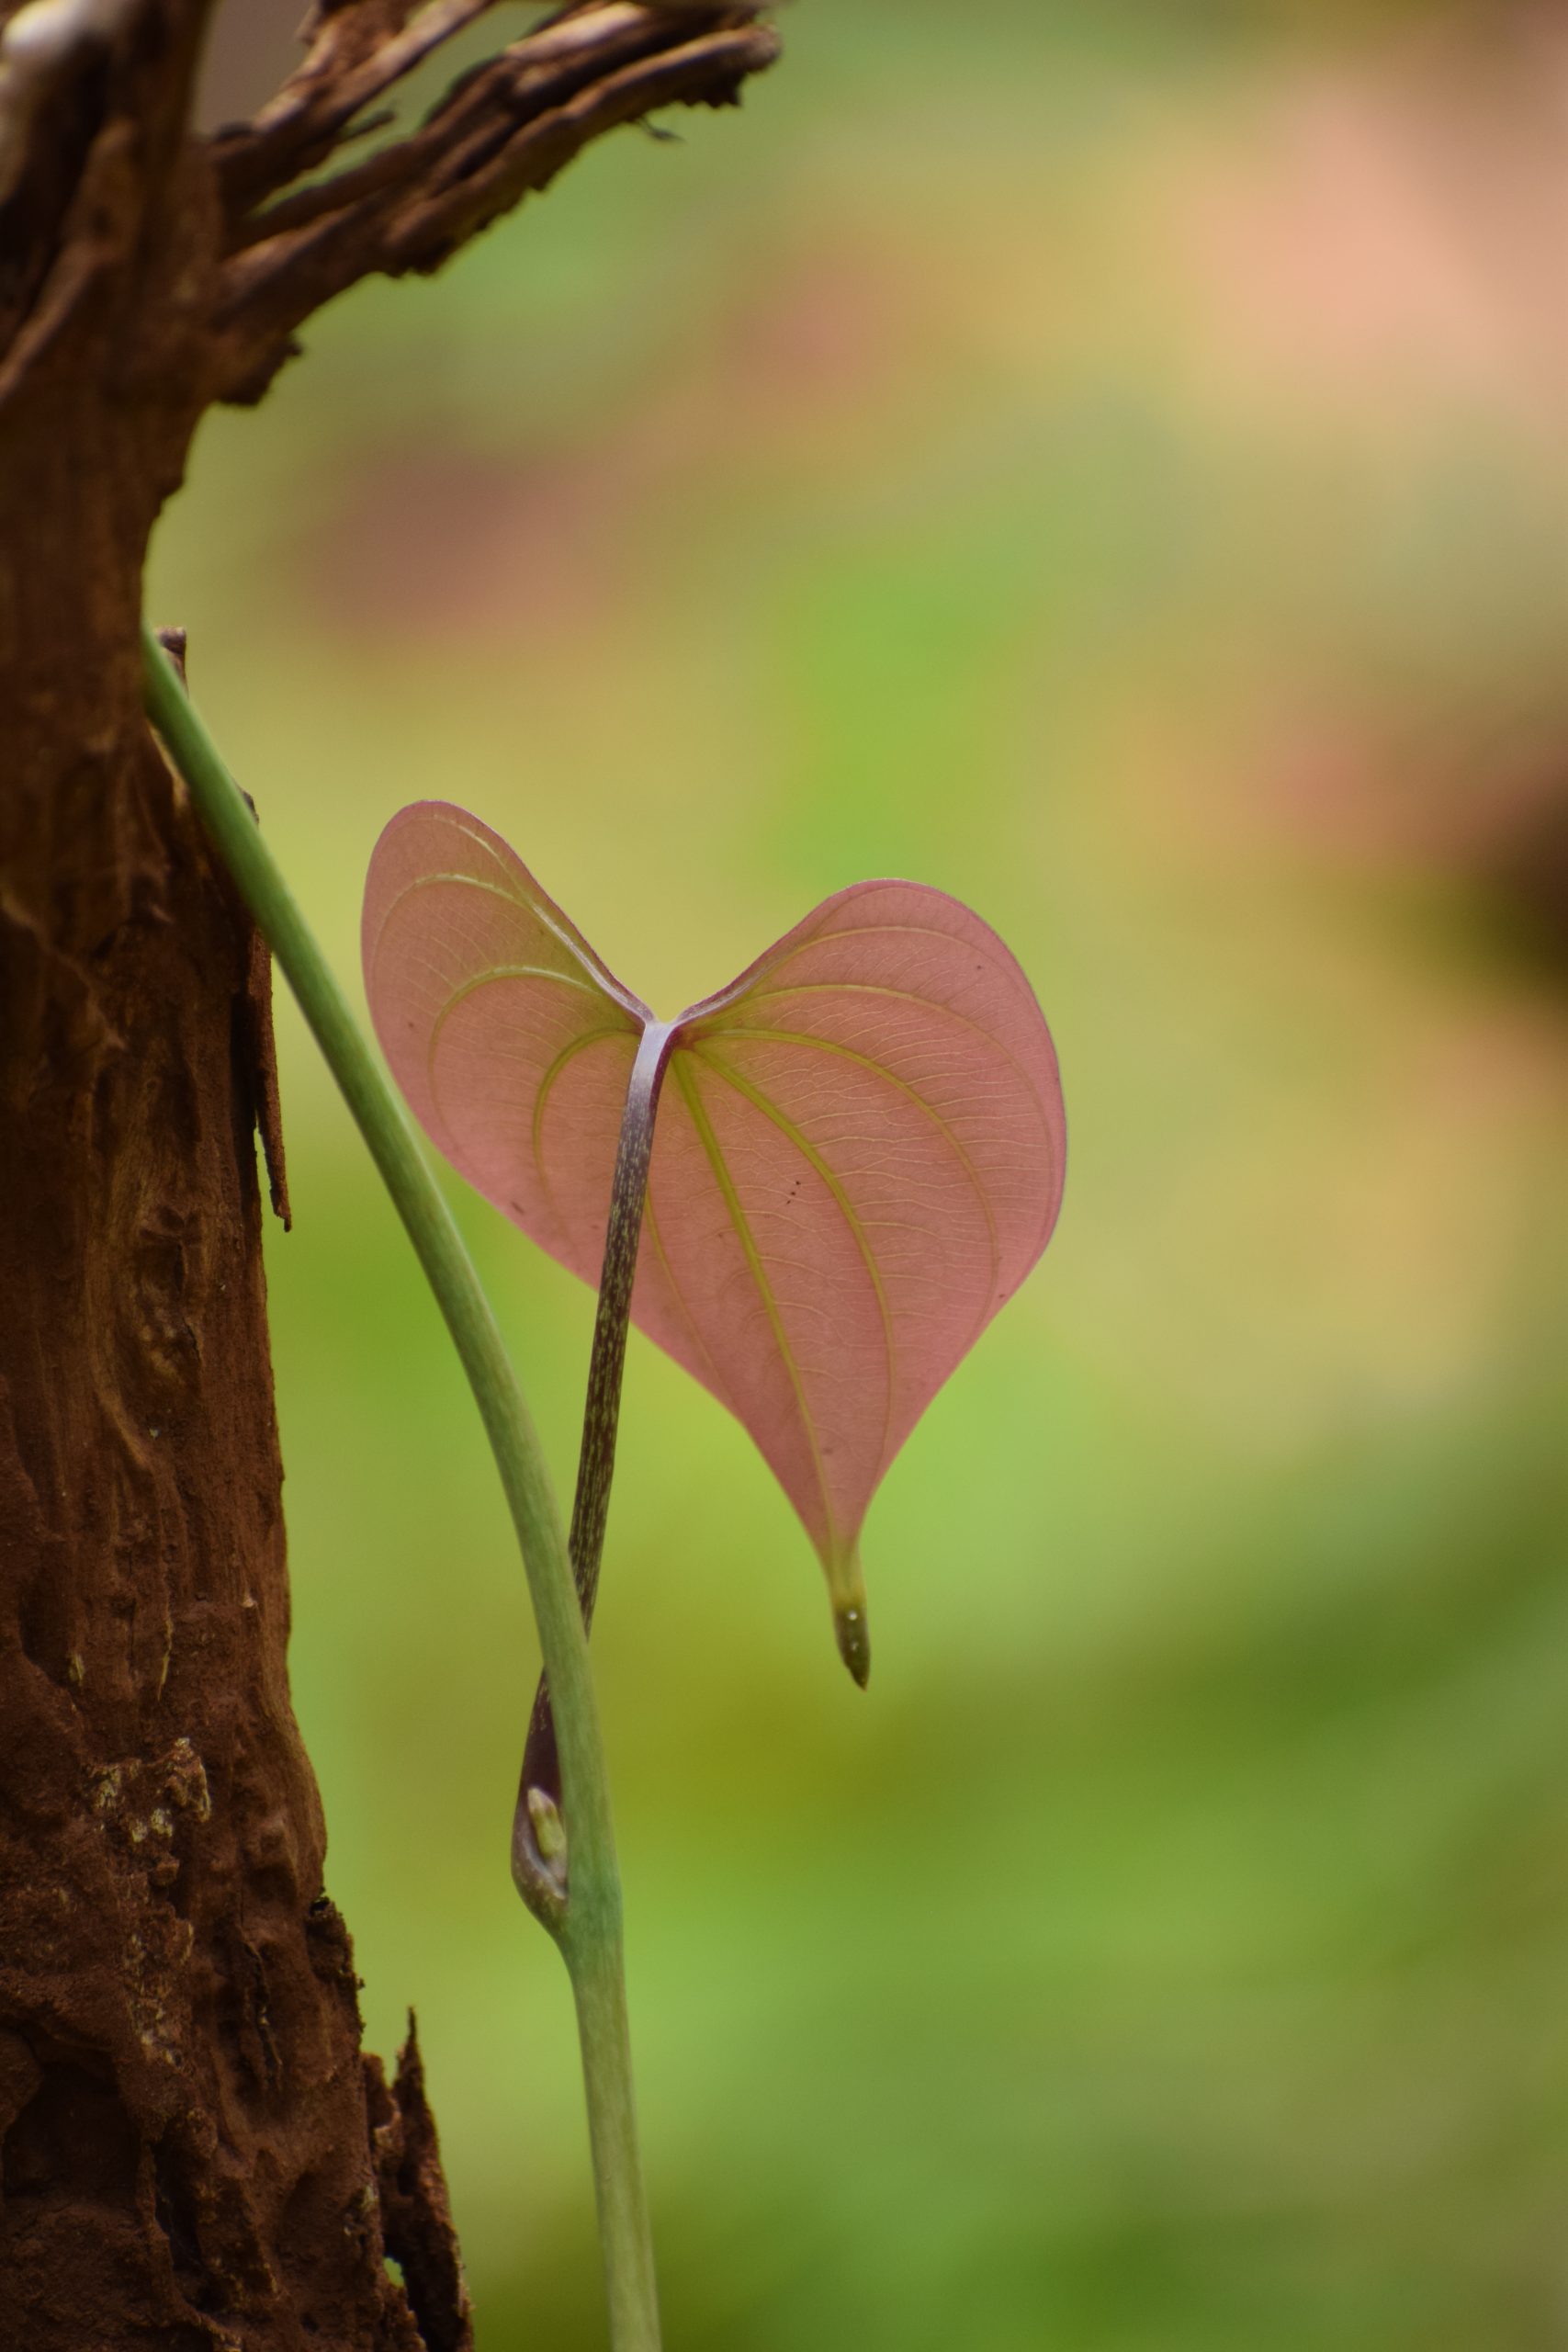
x=539 y=1873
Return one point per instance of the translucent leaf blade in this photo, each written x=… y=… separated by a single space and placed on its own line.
x=860 y=1158
x=511 y=1041
x=857 y=1158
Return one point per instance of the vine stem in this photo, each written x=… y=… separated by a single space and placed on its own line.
x=586 y=1924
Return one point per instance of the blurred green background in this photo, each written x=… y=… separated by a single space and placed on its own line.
x=1108 y=462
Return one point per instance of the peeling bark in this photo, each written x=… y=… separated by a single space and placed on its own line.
x=187 y=2155
x=193 y=2152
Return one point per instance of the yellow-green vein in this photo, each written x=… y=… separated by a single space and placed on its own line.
x=880 y=1069
x=809 y=1153
x=903 y=995
x=482 y=980
x=572 y=1048
x=686 y=1079
x=651 y=1219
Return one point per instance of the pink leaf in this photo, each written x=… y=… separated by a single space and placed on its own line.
x=857 y=1158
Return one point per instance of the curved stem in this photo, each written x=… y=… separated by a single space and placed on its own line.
x=588 y=1926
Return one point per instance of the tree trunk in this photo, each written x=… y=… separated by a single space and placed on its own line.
x=187 y=2149
x=193 y=2152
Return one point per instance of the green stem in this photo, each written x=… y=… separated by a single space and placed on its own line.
x=598 y=1983
x=587 y=1926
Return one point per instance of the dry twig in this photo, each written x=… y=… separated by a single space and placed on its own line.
x=290 y=231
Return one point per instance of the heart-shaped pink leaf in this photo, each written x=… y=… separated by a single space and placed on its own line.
x=857 y=1156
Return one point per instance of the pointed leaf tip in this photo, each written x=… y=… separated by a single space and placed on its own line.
x=854 y=1640
x=858 y=1156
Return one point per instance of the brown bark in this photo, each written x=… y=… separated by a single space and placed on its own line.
x=192 y=2152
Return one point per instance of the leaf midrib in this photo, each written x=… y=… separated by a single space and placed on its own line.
x=680 y=1063
x=751 y=1093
